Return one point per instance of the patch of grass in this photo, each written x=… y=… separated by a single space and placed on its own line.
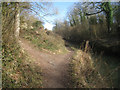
x=88 y=72
x=45 y=40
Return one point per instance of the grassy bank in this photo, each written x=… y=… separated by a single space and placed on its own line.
x=45 y=40
x=17 y=69
x=88 y=71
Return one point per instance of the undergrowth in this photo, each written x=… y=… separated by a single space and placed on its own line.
x=17 y=69
x=90 y=72
x=45 y=40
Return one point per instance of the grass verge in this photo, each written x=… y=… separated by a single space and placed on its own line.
x=89 y=72
x=18 y=71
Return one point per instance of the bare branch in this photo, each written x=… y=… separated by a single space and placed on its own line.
x=88 y=14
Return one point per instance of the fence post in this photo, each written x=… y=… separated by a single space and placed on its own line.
x=86 y=46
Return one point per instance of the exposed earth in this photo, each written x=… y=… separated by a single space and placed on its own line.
x=55 y=67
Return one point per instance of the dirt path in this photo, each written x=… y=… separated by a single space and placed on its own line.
x=54 y=67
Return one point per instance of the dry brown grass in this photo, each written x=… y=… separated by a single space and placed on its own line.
x=85 y=74
x=45 y=40
x=89 y=72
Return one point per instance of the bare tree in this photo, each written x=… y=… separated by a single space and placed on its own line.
x=17 y=20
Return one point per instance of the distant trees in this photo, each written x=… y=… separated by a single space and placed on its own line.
x=88 y=20
x=82 y=11
x=105 y=7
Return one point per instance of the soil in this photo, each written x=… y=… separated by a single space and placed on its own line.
x=55 y=67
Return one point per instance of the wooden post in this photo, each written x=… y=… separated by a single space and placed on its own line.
x=86 y=46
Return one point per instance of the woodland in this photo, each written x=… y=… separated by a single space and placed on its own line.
x=83 y=51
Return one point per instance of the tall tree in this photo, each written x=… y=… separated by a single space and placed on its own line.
x=77 y=14
x=105 y=7
x=17 y=20
x=117 y=13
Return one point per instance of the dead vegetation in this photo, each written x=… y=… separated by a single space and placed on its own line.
x=20 y=72
x=45 y=40
x=90 y=72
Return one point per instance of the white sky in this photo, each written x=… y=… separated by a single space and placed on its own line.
x=48 y=26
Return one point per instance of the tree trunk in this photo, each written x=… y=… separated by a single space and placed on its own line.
x=17 y=20
x=109 y=28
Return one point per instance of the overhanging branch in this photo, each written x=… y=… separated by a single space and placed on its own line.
x=88 y=14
